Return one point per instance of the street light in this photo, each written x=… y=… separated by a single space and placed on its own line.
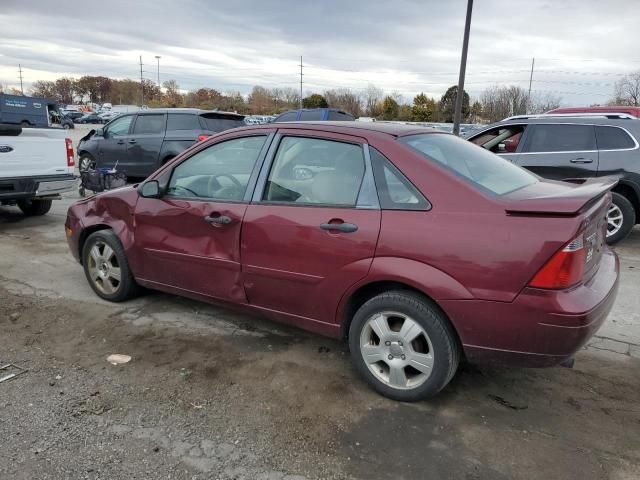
x=158 y=58
x=457 y=114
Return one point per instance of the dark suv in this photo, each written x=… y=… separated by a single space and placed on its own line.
x=572 y=148
x=141 y=142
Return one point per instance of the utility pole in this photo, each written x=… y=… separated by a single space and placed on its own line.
x=533 y=61
x=300 y=81
x=141 y=84
x=20 y=72
x=158 y=58
x=463 y=68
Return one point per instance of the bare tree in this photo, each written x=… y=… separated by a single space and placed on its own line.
x=543 y=102
x=501 y=102
x=344 y=99
x=627 y=90
x=372 y=97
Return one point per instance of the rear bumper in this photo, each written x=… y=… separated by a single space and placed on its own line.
x=33 y=187
x=540 y=327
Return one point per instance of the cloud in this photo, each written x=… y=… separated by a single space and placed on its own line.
x=581 y=47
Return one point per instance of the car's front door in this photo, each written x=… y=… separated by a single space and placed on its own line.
x=144 y=144
x=560 y=151
x=189 y=238
x=112 y=147
x=311 y=231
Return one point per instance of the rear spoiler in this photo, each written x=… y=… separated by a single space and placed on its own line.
x=567 y=203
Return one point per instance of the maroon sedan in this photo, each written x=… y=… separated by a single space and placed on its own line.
x=418 y=247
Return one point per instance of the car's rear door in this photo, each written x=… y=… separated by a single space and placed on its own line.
x=560 y=151
x=189 y=239
x=311 y=230
x=144 y=144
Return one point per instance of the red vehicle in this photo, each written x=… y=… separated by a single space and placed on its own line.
x=416 y=246
x=635 y=111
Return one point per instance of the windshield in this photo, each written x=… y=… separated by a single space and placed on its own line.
x=474 y=163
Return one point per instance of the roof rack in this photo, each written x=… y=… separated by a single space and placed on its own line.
x=612 y=115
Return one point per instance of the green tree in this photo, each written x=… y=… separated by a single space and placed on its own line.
x=423 y=109
x=315 y=101
x=448 y=103
x=390 y=108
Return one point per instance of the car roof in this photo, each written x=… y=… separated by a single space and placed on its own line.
x=196 y=111
x=353 y=128
x=594 y=120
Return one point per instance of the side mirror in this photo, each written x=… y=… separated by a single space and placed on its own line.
x=150 y=189
x=99 y=132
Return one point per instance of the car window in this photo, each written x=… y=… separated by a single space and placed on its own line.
x=339 y=116
x=613 y=138
x=120 y=126
x=503 y=139
x=561 y=138
x=148 y=124
x=217 y=123
x=219 y=172
x=478 y=166
x=315 y=171
x=309 y=115
x=395 y=191
x=288 y=117
x=177 y=121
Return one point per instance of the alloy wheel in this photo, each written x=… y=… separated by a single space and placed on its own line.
x=397 y=350
x=614 y=220
x=104 y=269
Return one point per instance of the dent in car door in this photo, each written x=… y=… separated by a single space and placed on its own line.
x=305 y=239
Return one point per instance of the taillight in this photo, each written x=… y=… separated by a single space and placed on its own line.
x=565 y=268
x=70 y=161
x=203 y=136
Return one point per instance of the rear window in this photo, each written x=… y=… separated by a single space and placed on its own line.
x=306 y=116
x=148 y=124
x=287 y=117
x=613 y=138
x=340 y=116
x=561 y=138
x=478 y=166
x=220 y=123
x=183 y=122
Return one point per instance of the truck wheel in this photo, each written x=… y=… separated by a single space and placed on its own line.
x=403 y=346
x=34 y=208
x=66 y=126
x=106 y=267
x=621 y=218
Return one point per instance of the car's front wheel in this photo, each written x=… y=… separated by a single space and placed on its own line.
x=86 y=162
x=403 y=346
x=621 y=218
x=106 y=267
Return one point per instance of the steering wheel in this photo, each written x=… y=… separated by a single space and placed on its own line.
x=176 y=186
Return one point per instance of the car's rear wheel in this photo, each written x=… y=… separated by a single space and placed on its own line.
x=35 y=207
x=106 y=267
x=621 y=217
x=403 y=346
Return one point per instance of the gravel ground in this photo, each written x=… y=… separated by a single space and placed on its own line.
x=210 y=393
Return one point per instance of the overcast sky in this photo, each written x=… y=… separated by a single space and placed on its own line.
x=581 y=46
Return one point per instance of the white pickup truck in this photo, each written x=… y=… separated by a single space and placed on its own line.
x=36 y=166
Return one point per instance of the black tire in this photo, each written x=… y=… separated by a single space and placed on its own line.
x=628 y=218
x=35 y=207
x=25 y=124
x=444 y=343
x=127 y=287
x=85 y=157
x=66 y=126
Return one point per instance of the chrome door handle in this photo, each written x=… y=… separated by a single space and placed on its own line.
x=581 y=160
x=219 y=220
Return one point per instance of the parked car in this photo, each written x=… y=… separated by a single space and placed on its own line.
x=140 y=142
x=106 y=116
x=73 y=114
x=314 y=114
x=574 y=149
x=89 y=118
x=37 y=166
x=635 y=111
x=416 y=246
x=66 y=122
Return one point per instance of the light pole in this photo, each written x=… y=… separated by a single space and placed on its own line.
x=158 y=59
x=457 y=114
